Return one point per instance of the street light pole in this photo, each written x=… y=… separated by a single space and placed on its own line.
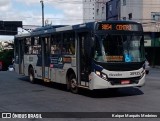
x=119 y=9
x=42 y=12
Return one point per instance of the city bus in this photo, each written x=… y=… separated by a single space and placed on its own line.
x=95 y=55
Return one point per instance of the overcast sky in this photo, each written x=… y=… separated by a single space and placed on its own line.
x=66 y=12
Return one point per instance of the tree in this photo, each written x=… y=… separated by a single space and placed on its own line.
x=9 y=45
x=1 y=46
x=6 y=54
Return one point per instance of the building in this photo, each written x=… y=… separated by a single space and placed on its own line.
x=146 y=12
x=94 y=10
x=113 y=10
x=138 y=10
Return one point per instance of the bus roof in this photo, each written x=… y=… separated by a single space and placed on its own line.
x=60 y=28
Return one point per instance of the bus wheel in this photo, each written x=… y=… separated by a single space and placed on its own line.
x=31 y=75
x=73 y=84
x=68 y=85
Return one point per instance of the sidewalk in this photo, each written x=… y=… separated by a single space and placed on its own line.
x=155 y=68
x=154 y=74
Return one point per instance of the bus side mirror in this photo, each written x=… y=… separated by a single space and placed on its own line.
x=146 y=54
x=95 y=54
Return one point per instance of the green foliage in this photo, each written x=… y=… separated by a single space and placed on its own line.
x=6 y=58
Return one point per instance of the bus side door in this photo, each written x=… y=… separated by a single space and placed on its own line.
x=19 y=63
x=46 y=57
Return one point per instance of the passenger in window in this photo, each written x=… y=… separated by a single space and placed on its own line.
x=64 y=50
x=39 y=50
x=34 y=50
x=71 y=48
x=30 y=50
x=67 y=49
x=52 y=49
x=57 y=51
x=26 y=50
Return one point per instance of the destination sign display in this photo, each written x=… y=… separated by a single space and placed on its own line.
x=114 y=58
x=119 y=27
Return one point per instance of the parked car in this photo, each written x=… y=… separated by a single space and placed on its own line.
x=10 y=68
x=147 y=67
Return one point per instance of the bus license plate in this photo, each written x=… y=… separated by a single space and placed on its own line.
x=125 y=81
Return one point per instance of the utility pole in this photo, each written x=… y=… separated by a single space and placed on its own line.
x=119 y=9
x=42 y=12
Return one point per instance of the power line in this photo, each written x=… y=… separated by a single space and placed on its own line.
x=74 y=2
x=70 y=2
x=70 y=19
x=87 y=2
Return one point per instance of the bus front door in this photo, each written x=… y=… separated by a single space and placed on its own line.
x=84 y=60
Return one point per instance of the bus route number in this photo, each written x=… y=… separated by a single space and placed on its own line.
x=106 y=27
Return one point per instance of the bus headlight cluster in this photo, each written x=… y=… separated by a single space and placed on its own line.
x=102 y=75
x=142 y=73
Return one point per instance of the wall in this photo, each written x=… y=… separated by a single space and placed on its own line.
x=94 y=10
x=132 y=6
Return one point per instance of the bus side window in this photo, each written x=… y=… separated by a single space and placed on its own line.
x=28 y=45
x=53 y=49
x=30 y=49
x=65 y=49
x=26 y=49
x=72 y=45
x=36 y=46
x=52 y=45
x=55 y=44
x=47 y=45
x=68 y=44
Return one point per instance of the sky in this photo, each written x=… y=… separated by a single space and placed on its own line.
x=56 y=12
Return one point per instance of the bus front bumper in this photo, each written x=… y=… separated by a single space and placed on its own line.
x=98 y=83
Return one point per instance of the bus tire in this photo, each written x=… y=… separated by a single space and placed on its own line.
x=68 y=87
x=31 y=75
x=73 y=84
x=147 y=72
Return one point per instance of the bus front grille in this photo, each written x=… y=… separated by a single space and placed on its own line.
x=118 y=81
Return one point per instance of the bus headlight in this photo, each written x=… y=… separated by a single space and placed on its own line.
x=98 y=73
x=142 y=73
x=102 y=75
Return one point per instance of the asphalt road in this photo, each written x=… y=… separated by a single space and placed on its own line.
x=17 y=94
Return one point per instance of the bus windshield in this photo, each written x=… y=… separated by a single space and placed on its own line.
x=119 y=48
